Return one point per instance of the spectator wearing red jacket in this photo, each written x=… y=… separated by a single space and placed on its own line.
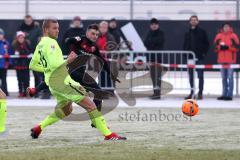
x=103 y=42
x=226 y=44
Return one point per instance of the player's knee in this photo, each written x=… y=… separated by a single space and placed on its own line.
x=2 y=95
x=67 y=110
x=62 y=112
x=91 y=107
x=87 y=104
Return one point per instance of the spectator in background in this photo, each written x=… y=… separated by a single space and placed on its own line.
x=155 y=41
x=21 y=47
x=226 y=44
x=196 y=40
x=76 y=29
x=33 y=33
x=4 y=62
x=104 y=38
x=114 y=30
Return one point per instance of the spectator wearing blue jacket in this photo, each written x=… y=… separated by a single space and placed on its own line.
x=4 y=61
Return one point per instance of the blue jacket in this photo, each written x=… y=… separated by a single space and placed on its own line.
x=4 y=48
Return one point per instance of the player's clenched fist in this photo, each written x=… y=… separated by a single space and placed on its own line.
x=71 y=57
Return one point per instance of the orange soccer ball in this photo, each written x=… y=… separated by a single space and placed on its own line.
x=190 y=107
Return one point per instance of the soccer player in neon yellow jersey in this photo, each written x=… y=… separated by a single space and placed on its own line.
x=48 y=59
x=3 y=111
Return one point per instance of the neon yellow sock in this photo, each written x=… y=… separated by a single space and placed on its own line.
x=100 y=123
x=52 y=118
x=3 y=114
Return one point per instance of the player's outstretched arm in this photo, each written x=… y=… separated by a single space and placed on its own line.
x=71 y=57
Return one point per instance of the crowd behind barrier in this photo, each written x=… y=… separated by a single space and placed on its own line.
x=226 y=43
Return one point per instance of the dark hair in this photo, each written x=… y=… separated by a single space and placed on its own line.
x=77 y=18
x=47 y=22
x=93 y=26
x=193 y=16
x=154 y=21
x=28 y=16
x=113 y=20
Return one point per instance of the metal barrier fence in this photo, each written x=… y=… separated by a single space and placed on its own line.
x=138 y=70
x=141 y=72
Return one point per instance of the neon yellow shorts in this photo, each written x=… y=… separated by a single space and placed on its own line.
x=64 y=98
x=64 y=88
x=69 y=91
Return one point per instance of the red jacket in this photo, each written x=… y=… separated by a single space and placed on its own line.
x=231 y=40
x=102 y=42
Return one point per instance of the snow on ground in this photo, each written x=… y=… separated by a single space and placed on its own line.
x=165 y=102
